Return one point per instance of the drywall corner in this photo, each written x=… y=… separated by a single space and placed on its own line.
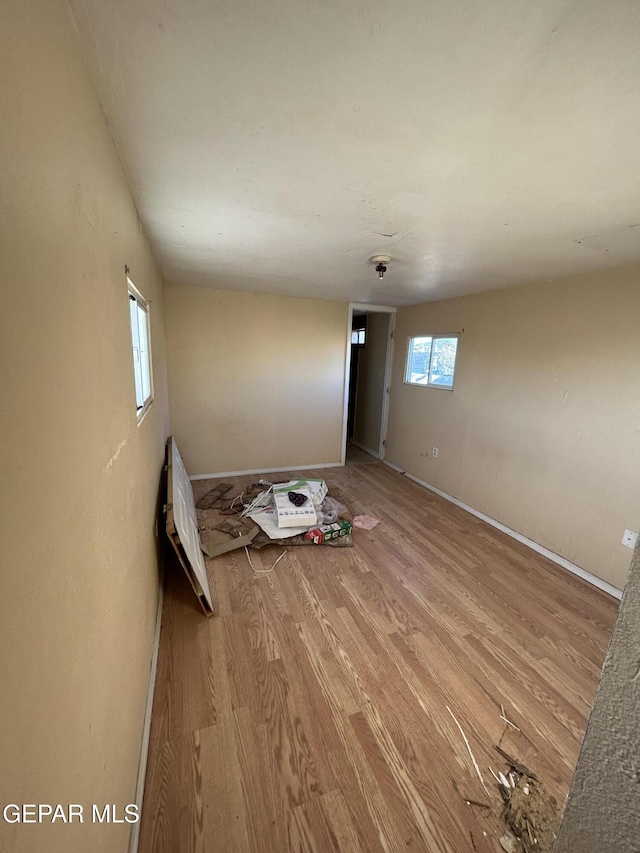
x=601 y=813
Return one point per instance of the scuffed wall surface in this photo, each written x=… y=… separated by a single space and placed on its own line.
x=602 y=813
x=78 y=566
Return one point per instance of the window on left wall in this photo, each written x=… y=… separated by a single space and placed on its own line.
x=139 y=317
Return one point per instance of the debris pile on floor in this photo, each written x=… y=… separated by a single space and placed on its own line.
x=296 y=512
x=530 y=813
x=227 y=536
x=215 y=498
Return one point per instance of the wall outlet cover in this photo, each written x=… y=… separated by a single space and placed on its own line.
x=629 y=539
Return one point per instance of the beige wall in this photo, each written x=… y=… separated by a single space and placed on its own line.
x=370 y=386
x=541 y=430
x=256 y=381
x=78 y=570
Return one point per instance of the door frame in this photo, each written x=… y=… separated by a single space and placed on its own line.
x=369 y=309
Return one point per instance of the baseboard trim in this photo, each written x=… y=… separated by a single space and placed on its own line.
x=366 y=449
x=134 y=837
x=266 y=471
x=540 y=549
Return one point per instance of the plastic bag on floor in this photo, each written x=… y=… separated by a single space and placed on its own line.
x=329 y=511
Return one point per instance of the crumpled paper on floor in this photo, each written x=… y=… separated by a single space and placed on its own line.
x=365 y=522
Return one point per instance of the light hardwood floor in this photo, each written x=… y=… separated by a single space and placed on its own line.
x=310 y=713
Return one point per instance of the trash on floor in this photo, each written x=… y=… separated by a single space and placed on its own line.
x=214 y=498
x=227 y=536
x=289 y=509
x=268 y=521
x=264 y=571
x=293 y=504
x=299 y=539
x=365 y=522
x=253 y=500
x=326 y=532
x=471 y=755
x=266 y=513
x=317 y=488
x=530 y=813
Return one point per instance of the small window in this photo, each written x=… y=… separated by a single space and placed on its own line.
x=359 y=330
x=139 y=316
x=431 y=361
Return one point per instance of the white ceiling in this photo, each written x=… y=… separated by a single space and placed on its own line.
x=275 y=145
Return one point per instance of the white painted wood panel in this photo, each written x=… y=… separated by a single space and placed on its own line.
x=182 y=525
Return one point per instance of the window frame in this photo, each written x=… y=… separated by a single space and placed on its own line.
x=358 y=328
x=427 y=384
x=142 y=303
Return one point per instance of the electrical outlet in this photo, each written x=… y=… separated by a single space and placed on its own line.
x=434 y=452
x=629 y=538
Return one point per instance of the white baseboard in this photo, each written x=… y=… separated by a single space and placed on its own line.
x=266 y=471
x=134 y=837
x=366 y=449
x=556 y=558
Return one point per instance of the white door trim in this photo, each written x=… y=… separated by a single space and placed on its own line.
x=387 y=386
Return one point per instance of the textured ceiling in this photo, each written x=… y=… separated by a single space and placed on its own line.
x=275 y=146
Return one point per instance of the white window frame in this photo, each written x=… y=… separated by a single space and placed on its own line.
x=430 y=384
x=143 y=401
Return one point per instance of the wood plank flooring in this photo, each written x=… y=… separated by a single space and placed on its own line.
x=310 y=713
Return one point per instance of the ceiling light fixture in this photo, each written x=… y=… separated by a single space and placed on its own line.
x=381 y=262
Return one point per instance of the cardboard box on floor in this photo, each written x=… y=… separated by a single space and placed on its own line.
x=227 y=537
x=294 y=515
x=317 y=488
